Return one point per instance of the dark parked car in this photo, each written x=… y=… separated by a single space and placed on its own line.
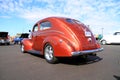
x=4 y=38
x=18 y=40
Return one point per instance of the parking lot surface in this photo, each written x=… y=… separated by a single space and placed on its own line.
x=15 y=65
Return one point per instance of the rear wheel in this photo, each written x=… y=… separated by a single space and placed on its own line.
x=49 y=54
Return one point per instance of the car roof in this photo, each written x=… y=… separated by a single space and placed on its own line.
x=58 y=18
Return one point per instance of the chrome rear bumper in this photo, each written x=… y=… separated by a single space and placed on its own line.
x=77 y=53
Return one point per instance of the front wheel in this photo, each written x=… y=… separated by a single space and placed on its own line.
x=103 y=42
x=22 y=48
x=49 y=54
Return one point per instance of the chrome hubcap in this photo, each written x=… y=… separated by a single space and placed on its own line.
x=49 y=52
x=22 y=48
x=103 y=42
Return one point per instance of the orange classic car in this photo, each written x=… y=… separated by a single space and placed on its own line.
x=56 y=37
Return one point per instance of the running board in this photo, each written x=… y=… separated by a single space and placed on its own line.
x=35 y=52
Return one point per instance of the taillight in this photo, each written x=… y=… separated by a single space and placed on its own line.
x=8 y=36
x=98 y=45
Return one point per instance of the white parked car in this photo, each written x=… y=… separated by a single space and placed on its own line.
x=109 y=39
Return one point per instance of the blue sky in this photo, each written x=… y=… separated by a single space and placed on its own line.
x=17 y=16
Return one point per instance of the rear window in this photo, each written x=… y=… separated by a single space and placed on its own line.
x=24 y=35
x=73 y=21
x=78 y=22
x=3 y=34
x=69 y=20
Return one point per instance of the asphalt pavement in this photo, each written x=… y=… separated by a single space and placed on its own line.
x=15 y=65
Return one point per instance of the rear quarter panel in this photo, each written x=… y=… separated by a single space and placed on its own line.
x=61 y=48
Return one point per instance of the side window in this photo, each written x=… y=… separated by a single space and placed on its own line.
x=35 y=28
x=117 y=33
x=45 y=25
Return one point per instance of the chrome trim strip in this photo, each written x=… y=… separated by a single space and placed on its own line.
x=77 y=53
x=50 y=31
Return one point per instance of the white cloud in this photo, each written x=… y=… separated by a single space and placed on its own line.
x=37 y=13
x=96 y=13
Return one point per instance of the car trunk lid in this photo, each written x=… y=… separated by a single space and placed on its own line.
x=84 y=36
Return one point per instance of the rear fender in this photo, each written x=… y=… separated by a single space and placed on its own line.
x=60 y=46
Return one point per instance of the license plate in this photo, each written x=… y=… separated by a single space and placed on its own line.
x=87 y=34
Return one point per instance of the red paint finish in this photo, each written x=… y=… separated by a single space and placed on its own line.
x=64 y=34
